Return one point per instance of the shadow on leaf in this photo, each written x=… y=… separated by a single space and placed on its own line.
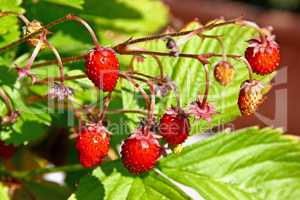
x=89 y=188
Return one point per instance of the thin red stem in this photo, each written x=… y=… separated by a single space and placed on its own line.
x=152 y=104
x=204 y=100
x=262 y=34
x=140 y=74
x=87 y=26
x=54 y=61
x=140 y=89
x=177 y=94
x=161 y=69
x=124 y=75
x=11 y=115
x=177 y=34
x=51 y=24
x=34 y=54
x=58 y=58
x=7 y=101
x=106 y=102
x=45 y=81
x=139 y=52
x=249 y=68
x=127 y=111
x=22 y=17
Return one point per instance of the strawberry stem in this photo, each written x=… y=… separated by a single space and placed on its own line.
x=35 y=52
x=106 y=102
x=46 y=80
x=204 y=100
x=58 y=58
x=152 y=105
x=249 y=68
x=6 y=101
x=161 y=70
x=11 y=115
x=127 y=111
x=177 y=34
x=54 y=61
x=51 y=24
x=22 y=17
x=262 y=34
x=142 y=91
x=87 y=26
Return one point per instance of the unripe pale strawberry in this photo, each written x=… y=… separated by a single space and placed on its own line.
x=224 y=73
x=250 y=97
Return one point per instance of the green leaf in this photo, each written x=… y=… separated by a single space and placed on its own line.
x=48 y=190
x=9 y=28
x=188 y=74
x=247 y=164
x=113 y=182
x=141 y=20
x=11 y=5
x=3 y=192
x=72 y=3
x=30 y=125
x=41 y=190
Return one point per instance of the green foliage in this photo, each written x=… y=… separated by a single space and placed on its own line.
x=3 y=193
x=72 y=3
x=113 y=182
x=247 y=164
x=47 y=190
x=118 y=19
x=9 y=29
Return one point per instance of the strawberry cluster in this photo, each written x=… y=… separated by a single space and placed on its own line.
x=142 y=149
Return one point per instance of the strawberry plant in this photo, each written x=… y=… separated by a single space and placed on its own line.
x=115 y=116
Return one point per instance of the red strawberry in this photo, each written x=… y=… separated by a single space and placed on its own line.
x=6 y=151
x=263 y=57
x=140 y=152
x=92 y=145
x=102 y=68
x=174 y=126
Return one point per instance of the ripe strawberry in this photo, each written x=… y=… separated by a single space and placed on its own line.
x=174 y=126
x=102 y=68
x=224 y=73
x=6 y=151
x=263 y=57
x=92 y=145
x=140 y=151
x=250 y=97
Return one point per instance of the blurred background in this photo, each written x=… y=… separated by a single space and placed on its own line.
x=281 y=108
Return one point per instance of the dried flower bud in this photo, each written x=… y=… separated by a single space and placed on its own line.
x=30 y=28
x=60 y=92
